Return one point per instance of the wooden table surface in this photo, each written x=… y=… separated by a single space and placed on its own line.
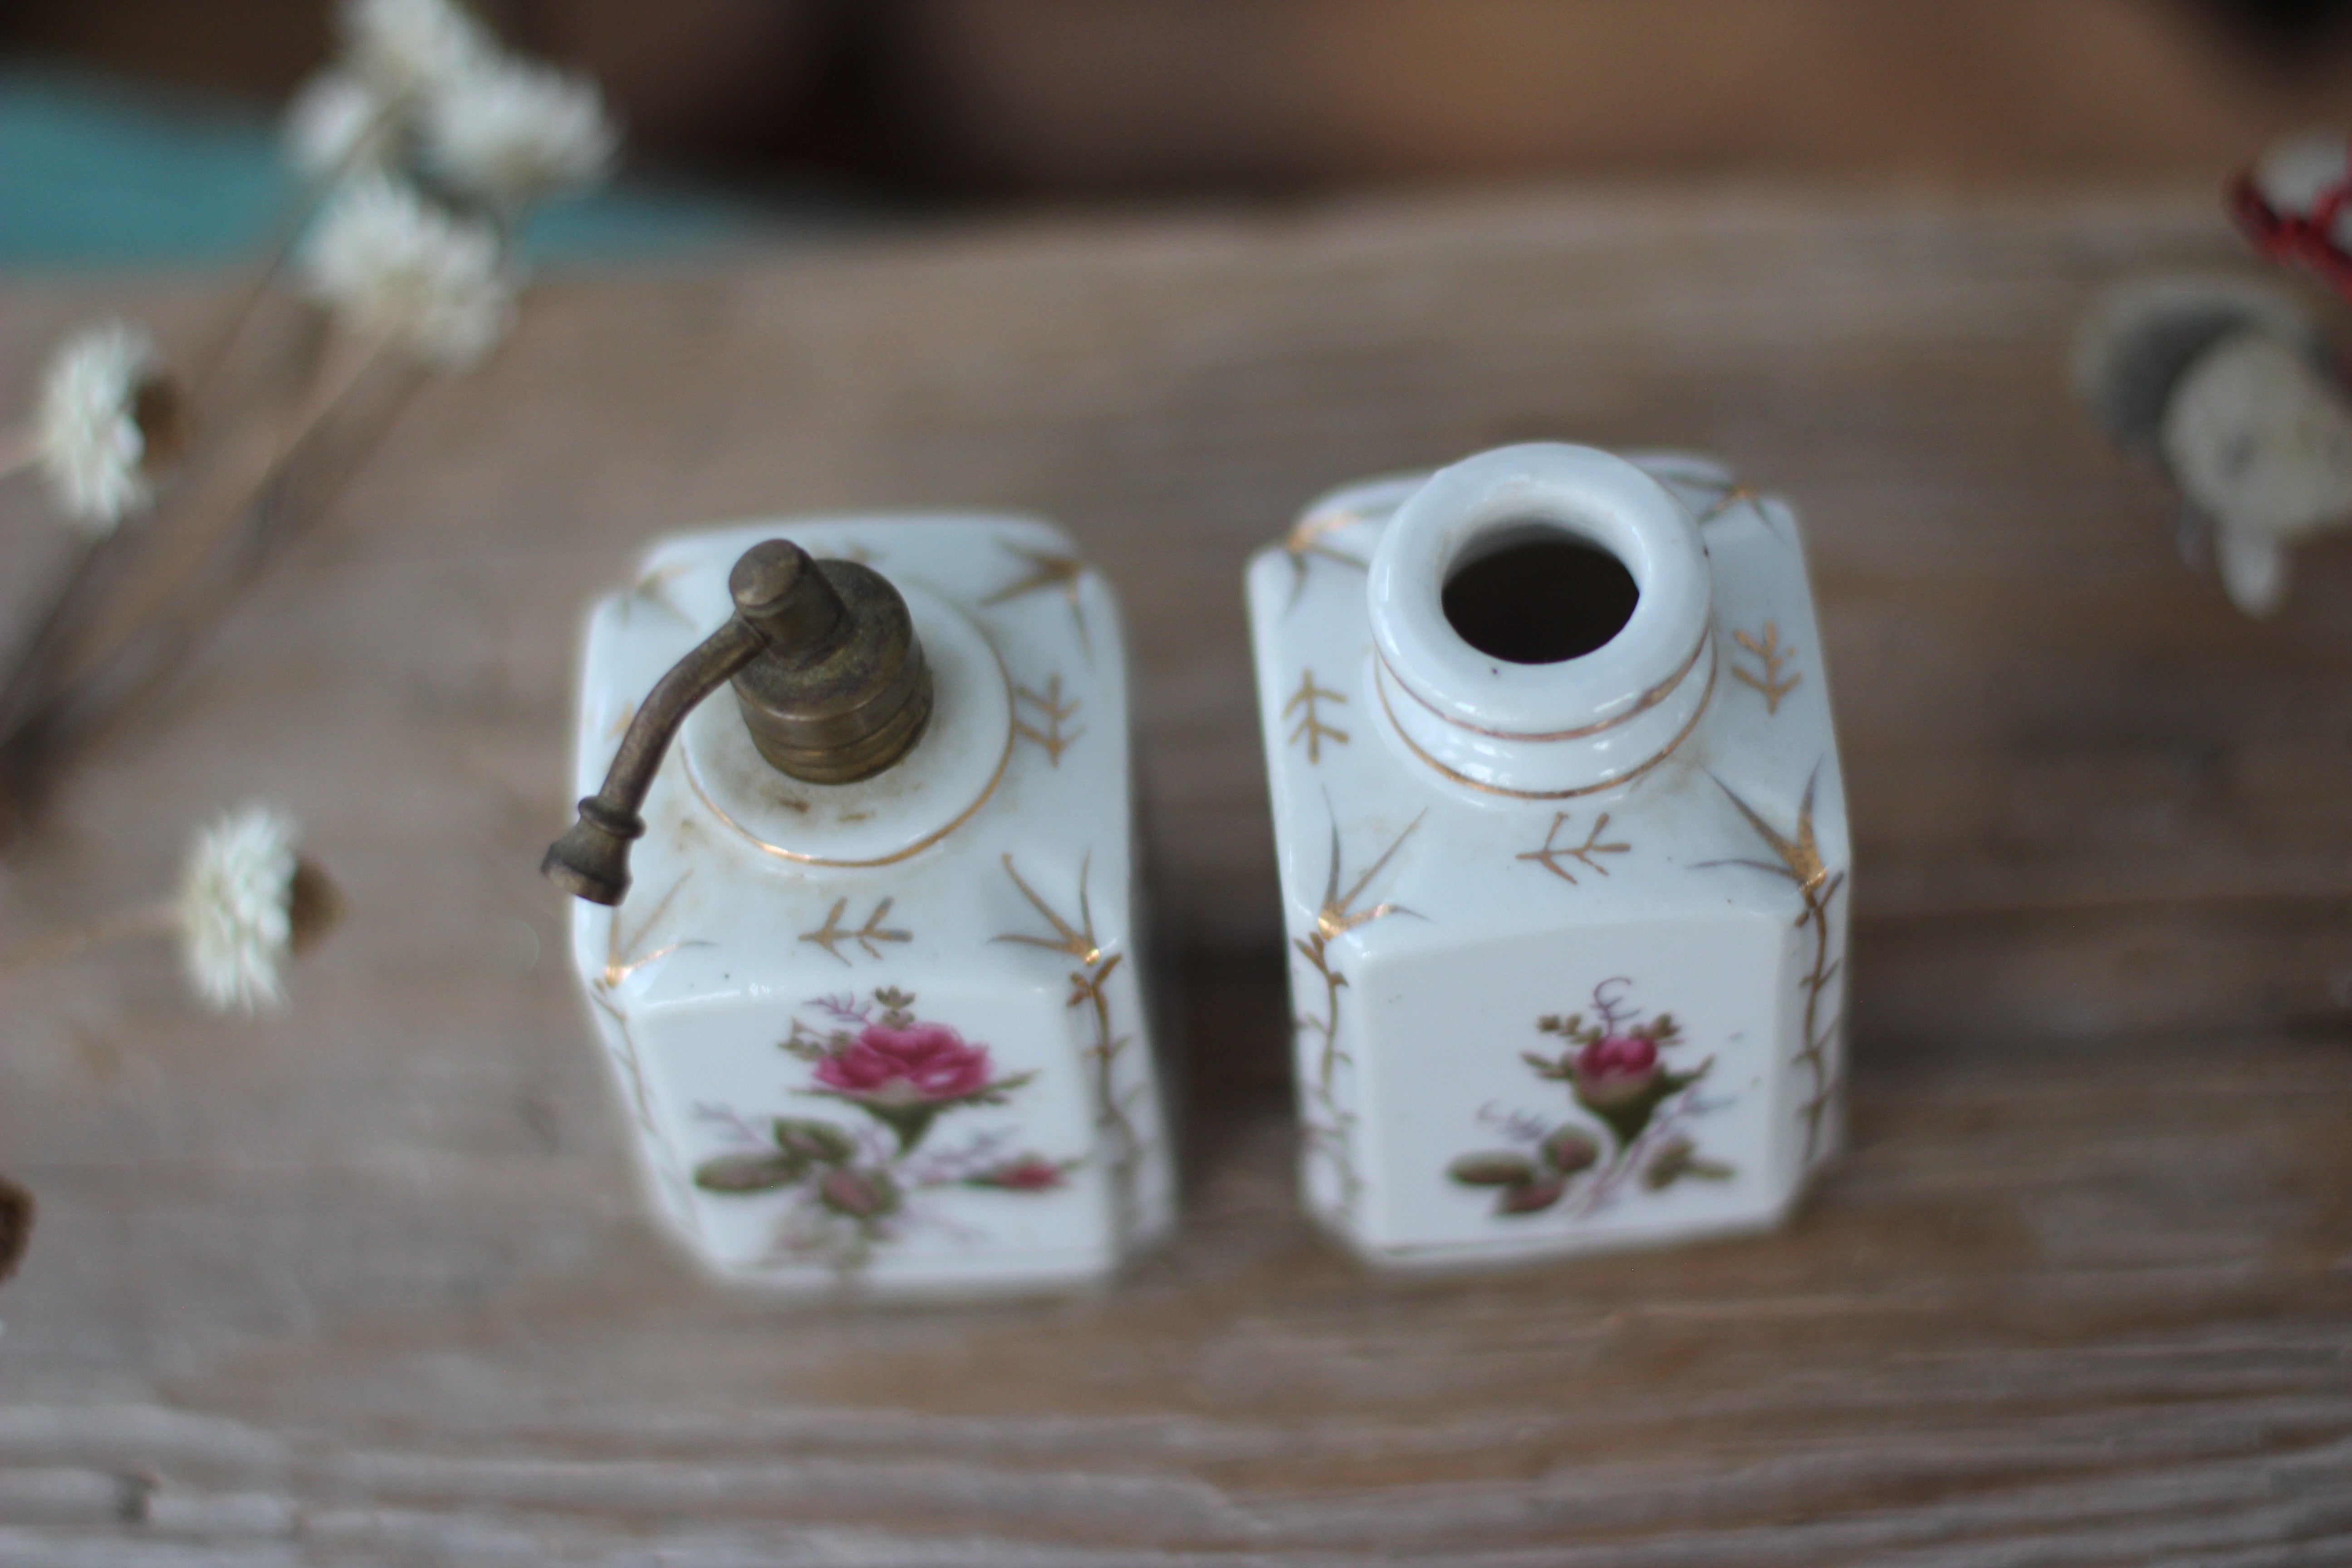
x=368 y=1282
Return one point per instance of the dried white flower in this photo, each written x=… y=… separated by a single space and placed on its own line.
x=2298 y=173
x=2139 y=340
x=237 y=908
x=338 y=125
x=2254 y=570
x=511 y=133
x=405 y=49
x=391 y=263
x=2260 y=441
x=88 y=434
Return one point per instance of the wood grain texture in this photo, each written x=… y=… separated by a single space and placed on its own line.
x=367 y=1282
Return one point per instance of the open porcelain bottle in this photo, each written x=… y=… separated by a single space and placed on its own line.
x=1563 y=854
x=862 y=942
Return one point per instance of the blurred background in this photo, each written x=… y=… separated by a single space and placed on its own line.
x=140 y=130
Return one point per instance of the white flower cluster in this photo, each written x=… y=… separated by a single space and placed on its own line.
x=237 y=908
x=336 y=126
x=435 y=140
x=392 y=265
x=513 y=133
x=86 y=435
x=423 y=84
x=406 y=49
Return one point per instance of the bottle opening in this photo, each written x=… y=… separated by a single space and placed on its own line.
x=1533 y=595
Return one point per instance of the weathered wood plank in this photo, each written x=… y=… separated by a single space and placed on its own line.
x=368 y=1282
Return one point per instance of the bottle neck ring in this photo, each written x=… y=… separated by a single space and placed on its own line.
x=1551 y=533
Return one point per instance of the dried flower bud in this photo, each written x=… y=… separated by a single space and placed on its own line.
x=107 y=419
x=314 y=905
x=15 y=1225
x=161 y=408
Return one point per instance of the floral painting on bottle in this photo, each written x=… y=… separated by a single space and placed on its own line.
x=848 y=1187
x=1635 y=1126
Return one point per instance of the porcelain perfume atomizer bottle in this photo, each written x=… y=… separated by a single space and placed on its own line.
x=828 y=674
x=874 y=1013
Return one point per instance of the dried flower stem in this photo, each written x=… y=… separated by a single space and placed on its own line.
x=337 y=378
x=32 y=667
x=282 y=248
x=160 y=918
x=56 y=701
x=422 y=146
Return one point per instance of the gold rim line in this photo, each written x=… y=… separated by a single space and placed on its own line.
x=694 y=779
x=1306 y=531
x=1624 y=778
x=1649 y=699
x=1309 y=531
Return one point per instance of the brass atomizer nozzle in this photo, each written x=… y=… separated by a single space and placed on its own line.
x=829 y=677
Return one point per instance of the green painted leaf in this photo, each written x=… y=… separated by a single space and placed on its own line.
x=1677 y=1158
x=1531 y=1197
x=1493 y=1169
x=1628 y=1111
x=749 y=1172
x=820 y=1141
x=859 y=1194
x=1571 y=1150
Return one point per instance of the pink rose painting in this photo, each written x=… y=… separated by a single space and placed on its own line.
x=850 y=1187
x=1616 y=1069
x=919 y=1062
x=1614 y=1066
x=903 y=1072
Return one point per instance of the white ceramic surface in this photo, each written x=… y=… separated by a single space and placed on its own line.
x=1568 y=939
x=891 y=1033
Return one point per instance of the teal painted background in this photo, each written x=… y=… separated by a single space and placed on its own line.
x=97 y=174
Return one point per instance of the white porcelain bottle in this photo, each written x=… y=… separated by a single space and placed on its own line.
x=871 y=988
x=1563 y=854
